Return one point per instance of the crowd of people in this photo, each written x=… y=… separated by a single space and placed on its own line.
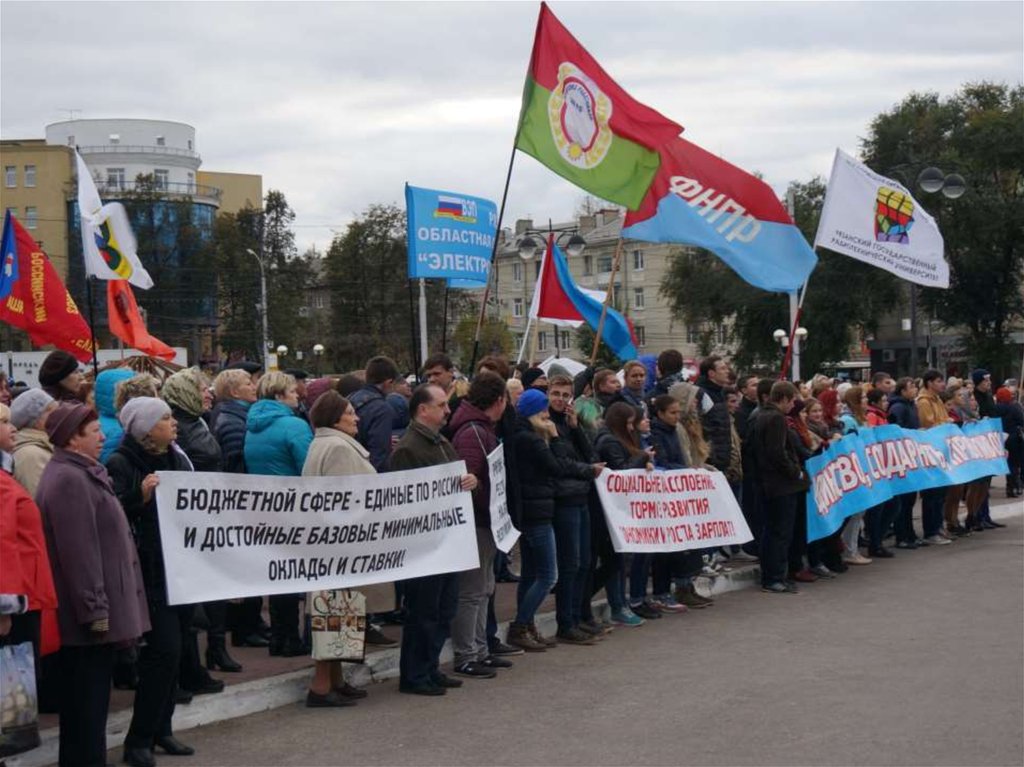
x=82 y=559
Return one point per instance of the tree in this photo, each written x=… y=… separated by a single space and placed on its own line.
x=238 y=282
x=606 y=358
x=845 y=299
x=495 y=338
x=979 y=133
x=373 y=305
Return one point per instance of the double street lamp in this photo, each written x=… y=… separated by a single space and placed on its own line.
x=265 y=349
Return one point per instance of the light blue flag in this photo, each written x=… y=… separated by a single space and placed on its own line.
x=451 y=235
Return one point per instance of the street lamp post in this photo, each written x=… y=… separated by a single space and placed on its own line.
x=282 y=352
x=529 y=248
x=318 y=353
x=263 y=305
x=783 y=340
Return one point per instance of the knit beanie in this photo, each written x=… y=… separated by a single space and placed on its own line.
x=140 y=415
x=978 y=375
x=531 y=402
x=532 y=375
x=57 y=366
x=63 y=423
x=28 y=407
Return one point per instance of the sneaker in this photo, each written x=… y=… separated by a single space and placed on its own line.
x=882 y=553
x=856 y=559
x=475 y=670
x=575 y=636
x=591 y=631
x=667 y=604
x=501 y=649
x=911 y=545
x=689 y=597
x=443 y=680
x=823 y=572
x=991 y=524
x=627 y=617
x=519 y=636
x=377 y=637
x=937 y=540
x=492 y=662
x=778 y=587
x=944 y=534
x=644 y=610
x=921 y=543
x=958 y=530
x=742 y=556
x=596 y=627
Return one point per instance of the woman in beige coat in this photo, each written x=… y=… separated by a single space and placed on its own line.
x=32 y=448
x=335 y=452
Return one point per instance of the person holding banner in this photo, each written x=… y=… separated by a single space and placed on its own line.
x=148 y=447
x=903 y=412
x=431 y=601
x=932 y=412
x=474 y=438
x=335 y=452
x=854 y=418
x=783 y=482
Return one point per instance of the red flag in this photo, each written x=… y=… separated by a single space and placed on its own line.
x=127 y=324
x=33 y=298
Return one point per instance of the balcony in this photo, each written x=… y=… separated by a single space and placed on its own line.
x=201 y=193
x=139 y=149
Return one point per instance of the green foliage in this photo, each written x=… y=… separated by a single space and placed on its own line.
x=844 y=298
x=979 y=133
x=605 y=356
x=373 y=305
x=495 y=338
x=238 y=282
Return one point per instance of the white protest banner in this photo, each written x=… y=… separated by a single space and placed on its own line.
x=234 y=535
x=505 y=533
x=670 y=510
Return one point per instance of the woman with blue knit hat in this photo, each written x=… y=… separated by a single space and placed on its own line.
x=539 y=471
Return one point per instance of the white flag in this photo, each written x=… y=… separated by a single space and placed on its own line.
x=107 y=239
x=876 y=220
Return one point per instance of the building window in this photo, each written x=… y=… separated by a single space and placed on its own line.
x=318 y=300
x=31 y=217
x=115 y=178
x=563 y=339
x=190 y=145
x=638 y=298
x=160 y=178
x=536 y=269
x=115 y=138
x=10 y=176
x=693 y=334
x=604 y=264
x=518 y=340
x=517 y=307
x=30 y=175
x=191 y=182
x=588 y=265
x=161 y=141
x=71 y=140
x=542 y=340
x=722 y=333
x=616 y=295
x=517 y=272
x=641 y=335
x=638 y=260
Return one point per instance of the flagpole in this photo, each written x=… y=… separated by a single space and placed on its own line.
x=607 y=299
x=92 y=327
x=444 y=323
x=412 y=324
x=526 y=339
x=494 y=252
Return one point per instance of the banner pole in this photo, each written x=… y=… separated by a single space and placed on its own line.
x=424 y=347
x=607 y=298
x=412 y=332
x=494 y=252
x=444 y=322
x=526 y=339
x=92 y=326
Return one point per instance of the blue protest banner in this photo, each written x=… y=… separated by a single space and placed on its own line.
x=868 y=468
x=451 y=235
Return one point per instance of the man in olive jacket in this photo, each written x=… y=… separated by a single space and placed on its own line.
x=782 y=480
x=430 y=601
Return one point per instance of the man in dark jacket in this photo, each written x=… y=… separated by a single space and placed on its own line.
x=903 y=412
x=714 y=411
x=474 y=438
x=376 y=416
x=430 y=601
x=572 y=515
x=751 y=497
x=670 y=371
x=783 y=481
x=748 y=403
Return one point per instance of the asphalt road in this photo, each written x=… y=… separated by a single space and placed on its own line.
x=918 y=660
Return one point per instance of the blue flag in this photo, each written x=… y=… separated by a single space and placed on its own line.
x=451 y=235
x=9 y=266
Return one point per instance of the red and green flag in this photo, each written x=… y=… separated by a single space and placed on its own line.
x=582 y=125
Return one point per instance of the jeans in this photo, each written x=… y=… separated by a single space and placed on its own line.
x=539 y=569
x=572 y=545
x=469 y=629
x=430 y=603
x=878 y=519
x=679 y=567
x=851 y=534
x=905 y=518
x=639 y=570
x=932 y=502
x=779 y=517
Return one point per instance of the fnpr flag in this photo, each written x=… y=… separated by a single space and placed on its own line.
x=582 y=125
x=33 y=298
x=876 y=220
x=700 y=199
x=107 y=239
x=127 y=324
x=559 y=300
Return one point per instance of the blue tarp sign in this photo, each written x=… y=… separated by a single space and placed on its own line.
x=868 y=468
x=451 y=235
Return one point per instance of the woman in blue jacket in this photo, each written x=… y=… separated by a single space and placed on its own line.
x=276 y=443
x=106 y=386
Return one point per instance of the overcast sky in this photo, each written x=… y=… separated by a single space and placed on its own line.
x=339 y=104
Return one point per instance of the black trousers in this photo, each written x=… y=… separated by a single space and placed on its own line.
x=779 y=518
x=159 y=661
x=85 y=674
x=430 y=603
x=243 y=619
x=284 y=617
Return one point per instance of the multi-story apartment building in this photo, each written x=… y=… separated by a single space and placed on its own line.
x=637 y=288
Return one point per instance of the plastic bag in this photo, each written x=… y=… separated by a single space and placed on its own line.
x=19 y=704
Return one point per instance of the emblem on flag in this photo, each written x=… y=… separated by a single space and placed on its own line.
x=110 y=251
x=456 y=208
x=894 y=215
x=579 y=113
